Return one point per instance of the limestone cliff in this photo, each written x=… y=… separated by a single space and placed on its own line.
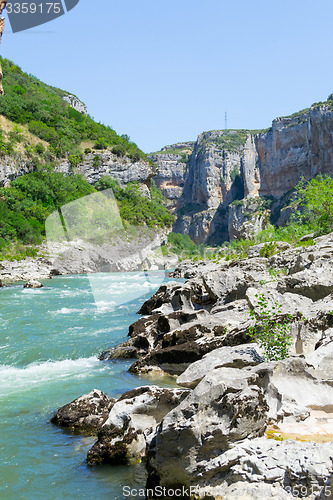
x=230 y=165
x=172 y=166
x=75 y=103
x=93 y=166
x=213 y=181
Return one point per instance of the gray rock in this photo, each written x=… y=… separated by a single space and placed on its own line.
x=312 y=283
x=86 y=414
x=262 y=468
x=322 y=361
x=223 y=409
x=228 y=357
x=75 y=103
x=231 y=282
x=33 y=284
x=131 y=424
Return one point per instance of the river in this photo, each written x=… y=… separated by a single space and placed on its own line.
x=49 y=342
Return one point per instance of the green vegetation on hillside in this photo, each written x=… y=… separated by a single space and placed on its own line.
x=232 y=139
x=28 y=101
x=26 y=204
x=134 y=207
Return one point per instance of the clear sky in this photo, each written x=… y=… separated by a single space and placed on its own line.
x=164 y=71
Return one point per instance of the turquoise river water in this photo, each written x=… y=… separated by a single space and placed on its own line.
x=49 y=342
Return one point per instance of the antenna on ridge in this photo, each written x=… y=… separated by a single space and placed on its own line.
x=226 y=121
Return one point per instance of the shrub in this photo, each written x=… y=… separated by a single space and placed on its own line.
x=97 y=161
x=272 y=335
x=74 y=160
x=268 y=249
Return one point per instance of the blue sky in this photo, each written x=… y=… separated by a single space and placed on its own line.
x=164 y=71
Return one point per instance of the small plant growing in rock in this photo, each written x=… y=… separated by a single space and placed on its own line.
x=272 y=336
x=268 y=249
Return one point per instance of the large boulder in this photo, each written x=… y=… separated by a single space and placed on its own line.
x=195 y=443
x=86 y=414
x=224 y=357
x=231 y=281
x=226 y=407
x=131 y=424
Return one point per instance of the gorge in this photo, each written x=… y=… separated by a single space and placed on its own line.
x=214 y=183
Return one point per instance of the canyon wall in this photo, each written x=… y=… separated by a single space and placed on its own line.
x=92 y=167
x=229 y=169
x=171 y=172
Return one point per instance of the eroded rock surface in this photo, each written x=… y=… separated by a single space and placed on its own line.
x=86 y=414
x=131 y=424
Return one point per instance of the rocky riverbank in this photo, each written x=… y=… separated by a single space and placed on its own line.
x=239 y=425
x=127 y=252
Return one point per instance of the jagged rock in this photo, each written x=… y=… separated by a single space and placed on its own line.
x=33 y=284
x=131 y=423
x=198 y=442
x=310 y=283
x=227 y=357
x=75 y=103
x=231 y=282
x=148 y=333
x=261 y=468
x=86 y=414
x=189 y=269
x=174 y=350
x=290 y=303
x=171 y=172
x=222 y=410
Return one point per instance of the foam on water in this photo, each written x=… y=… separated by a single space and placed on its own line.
x=49 y=342
x=15 y=379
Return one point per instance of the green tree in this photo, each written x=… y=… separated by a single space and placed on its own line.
x=318 y=200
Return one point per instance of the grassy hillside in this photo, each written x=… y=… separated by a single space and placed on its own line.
x=42 y=112
x=38 y=126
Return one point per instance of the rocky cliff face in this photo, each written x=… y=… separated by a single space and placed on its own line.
x=75 y=103
x=294 y=147
x=96 y=165
x=172 y=168
x=232 y=165
x=93 y=166
x=213 y=181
